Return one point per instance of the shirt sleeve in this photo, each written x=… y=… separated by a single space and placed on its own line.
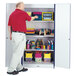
x=9 y=21
x=27 y=17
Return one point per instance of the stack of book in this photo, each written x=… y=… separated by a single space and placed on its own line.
x=30 y=31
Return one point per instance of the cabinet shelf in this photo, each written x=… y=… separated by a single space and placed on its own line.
x=37 y=50
x=39 y=35
x=42 y=21
x=36 y=64
x=33 y=62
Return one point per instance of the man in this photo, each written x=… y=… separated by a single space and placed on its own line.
x=17 y=35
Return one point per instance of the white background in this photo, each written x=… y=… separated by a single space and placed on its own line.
x=39 y=71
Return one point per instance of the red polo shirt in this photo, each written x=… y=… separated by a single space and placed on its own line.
x=18 y=20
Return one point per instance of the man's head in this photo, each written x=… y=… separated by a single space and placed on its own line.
x=20 y=5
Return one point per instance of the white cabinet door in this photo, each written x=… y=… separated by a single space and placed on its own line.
x=8 y=51
x=9 y=9
x=62 y=35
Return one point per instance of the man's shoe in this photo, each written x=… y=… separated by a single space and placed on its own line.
x=14 y=72
x=23 y=70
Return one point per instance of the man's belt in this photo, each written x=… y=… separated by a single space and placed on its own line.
x=18 y=31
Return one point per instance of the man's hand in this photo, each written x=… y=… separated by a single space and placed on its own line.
x=10 y=36
x=10 y=33
x=36 y=16
x=32 y=18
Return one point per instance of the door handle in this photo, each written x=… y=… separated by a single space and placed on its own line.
x=69 y=39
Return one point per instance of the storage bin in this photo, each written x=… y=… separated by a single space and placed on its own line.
x=28 y=55
x=47 y=55
x=47 y=59
x=39 y=14
x=38 y=55
x=28 y=59
x=38 y=59
x=47 y=16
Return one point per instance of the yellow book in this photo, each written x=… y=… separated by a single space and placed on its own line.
x=29 y=32
x=30 y=29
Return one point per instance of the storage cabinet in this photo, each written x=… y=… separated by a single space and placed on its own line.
x=41 y=24
x=48 y=38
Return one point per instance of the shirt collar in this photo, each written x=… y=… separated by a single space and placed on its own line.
x=18 y=9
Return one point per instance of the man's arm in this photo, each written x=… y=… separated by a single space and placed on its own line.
x=32 y=18
x=10 y=32
x=29 y=18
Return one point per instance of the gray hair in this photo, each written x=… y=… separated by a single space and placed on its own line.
x=17 y=5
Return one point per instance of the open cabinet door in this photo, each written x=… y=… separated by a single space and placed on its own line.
x=62 y=35
x=9 y=9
